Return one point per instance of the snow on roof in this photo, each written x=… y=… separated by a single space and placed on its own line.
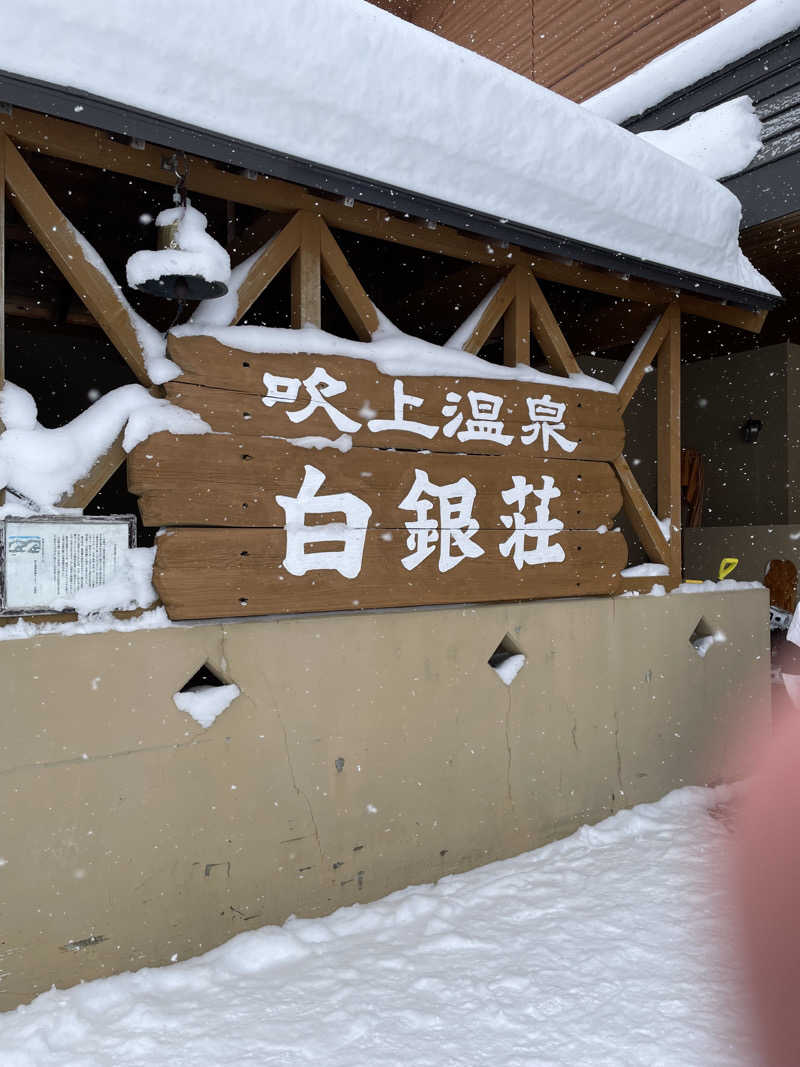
x=719 y=142
x=349 y=86
x=736 y=36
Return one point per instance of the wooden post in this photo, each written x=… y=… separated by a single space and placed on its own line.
x=669 y=436
x=517 y=322
x=307 y=276
x=2 y=278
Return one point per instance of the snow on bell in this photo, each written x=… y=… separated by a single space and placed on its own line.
x=188 y=263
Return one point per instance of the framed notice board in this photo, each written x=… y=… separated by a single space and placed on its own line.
x=46 y=558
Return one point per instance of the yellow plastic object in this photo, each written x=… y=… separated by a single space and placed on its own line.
x=728 y=566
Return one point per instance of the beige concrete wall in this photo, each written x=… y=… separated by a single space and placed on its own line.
x=366 y=752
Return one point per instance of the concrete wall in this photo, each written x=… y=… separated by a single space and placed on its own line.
x=366 y=752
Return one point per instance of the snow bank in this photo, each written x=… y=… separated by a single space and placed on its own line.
x=205 y=703
x=351 y=87
x=611 y=947
x=42 y=465
x=717 y=142
x=745 y=31
x=393 y=353
x=197 y=253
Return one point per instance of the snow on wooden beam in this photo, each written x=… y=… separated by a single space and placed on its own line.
x=643 y=354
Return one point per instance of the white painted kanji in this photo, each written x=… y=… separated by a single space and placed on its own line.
x=547 y=418
x=452 y=529
x=485 y=424
x=542 y=530
x=320 y=386
x=403 y=400
x=280 y=390
x=351 y=533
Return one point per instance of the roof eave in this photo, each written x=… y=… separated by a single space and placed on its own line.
x=113 y=117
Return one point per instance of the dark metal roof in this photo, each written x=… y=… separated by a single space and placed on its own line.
x=76 y=105
x=770 y=186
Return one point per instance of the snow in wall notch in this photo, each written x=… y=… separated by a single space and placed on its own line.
x=205 y=696
x=702 y=637
x=507 y=660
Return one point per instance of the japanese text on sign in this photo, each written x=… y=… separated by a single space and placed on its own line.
x=442 y=520
x=479 y=417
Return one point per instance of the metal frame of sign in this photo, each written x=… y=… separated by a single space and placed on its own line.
x=93 y=520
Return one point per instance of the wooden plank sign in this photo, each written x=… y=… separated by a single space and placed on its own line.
x=505 y=494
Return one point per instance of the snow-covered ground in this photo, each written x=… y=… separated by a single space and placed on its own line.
x=610 y=949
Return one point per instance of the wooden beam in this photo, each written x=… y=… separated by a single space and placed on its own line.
x=3 y=143
x=517 y=322
x=492 y=313
x=273 y=258
x=83 y=144
x=641 y=515
x=84 y=491
x=641 y=357
x=668 y=368
x=727 y=314
x=307 y=276
x=347 y=290
x=548 y=333
x=56 y=235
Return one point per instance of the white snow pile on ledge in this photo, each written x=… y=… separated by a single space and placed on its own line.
x=197 y=254
x=42 y=465
x=718 y=142
x=610 y=947
x=205 y=703
x=393 y=353
x=741 y=33
x=349 y=86
x=97 y=623
x=646 y=570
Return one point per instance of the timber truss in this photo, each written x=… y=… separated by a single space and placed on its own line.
x=307 y=243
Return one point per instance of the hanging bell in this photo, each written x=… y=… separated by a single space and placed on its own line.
x=188 y=263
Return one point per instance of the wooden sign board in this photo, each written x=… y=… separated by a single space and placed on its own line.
x=438 y=491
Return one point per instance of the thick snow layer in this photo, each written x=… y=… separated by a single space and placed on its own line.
x=611 y=948
x=718 y=142
x=205 y=703
x=197 y=253
x=42 y=465
x=352 y=87
x=393 y=353
x=741 y=33
x=128 y=588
